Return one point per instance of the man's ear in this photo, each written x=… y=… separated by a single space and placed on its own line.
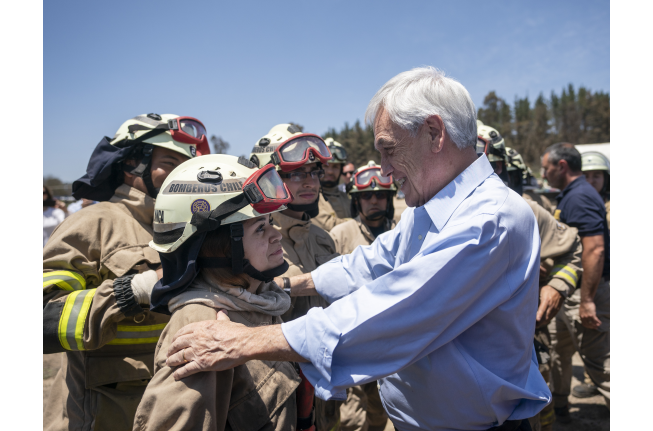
x=564 y=166
x=435 y=132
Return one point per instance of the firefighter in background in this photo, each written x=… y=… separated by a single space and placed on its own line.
x=495 y=151
x=373 y=210
x=334 y=203
x=216 y=213
x=299 y=158
x=596 y=168
x=529 y=184
x=560 y=271
x=98 y=272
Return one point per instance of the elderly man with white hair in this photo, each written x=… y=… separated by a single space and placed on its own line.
x=440 y=310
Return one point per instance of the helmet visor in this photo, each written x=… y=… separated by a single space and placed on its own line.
x=272 y=185
x=266 y=191
x=339 y=153
x=296 y=150
x=192 y=128
x=364 y=178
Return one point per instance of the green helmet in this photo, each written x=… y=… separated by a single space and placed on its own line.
x=595 y=161
x=493 y=136
x=337 y=150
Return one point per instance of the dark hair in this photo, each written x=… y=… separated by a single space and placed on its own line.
x=218 y=244
x=48 y=191
x=567 y=152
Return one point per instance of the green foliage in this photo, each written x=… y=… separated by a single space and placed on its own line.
x=220 y=146
x=358 y=141
x=579 y=117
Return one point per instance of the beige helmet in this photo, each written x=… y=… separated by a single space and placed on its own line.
x=135 y=140
x=199 y=196
x=201 y=185
x=287 y=148
x=595 y=161
x=368 y=178
x=139 y=126
x=493 y=136
x=337 y=150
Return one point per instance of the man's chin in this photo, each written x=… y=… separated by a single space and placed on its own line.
x=328 y=184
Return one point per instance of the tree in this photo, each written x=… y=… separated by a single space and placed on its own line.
x=358 y=142
x=220 y=146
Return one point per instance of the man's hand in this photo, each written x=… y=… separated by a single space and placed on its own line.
x=211 y=345
x=550 y=303
x=217 y=345
x=587 y=312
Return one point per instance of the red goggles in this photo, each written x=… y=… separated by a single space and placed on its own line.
x=190 y=130
x=266 y=191
x=482 y=145
x=365 y=176
x=299 y=150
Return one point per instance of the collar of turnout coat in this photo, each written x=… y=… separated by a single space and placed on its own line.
x=269 y=299
x=285 y=223
x=135 y=203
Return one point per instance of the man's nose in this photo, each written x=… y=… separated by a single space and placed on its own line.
x=386 y=167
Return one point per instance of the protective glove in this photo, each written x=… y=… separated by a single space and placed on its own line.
x=142 y=285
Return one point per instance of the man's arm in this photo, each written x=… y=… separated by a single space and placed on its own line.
x=217 y=345
x=300 y=285
x=592 y=260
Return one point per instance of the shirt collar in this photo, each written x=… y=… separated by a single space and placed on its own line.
x=444 y=203
x=575 y=183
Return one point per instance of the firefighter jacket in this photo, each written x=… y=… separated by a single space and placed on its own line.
x=258 y=395
x=305 y=247
x=327 y=217
x=109 y=357
x=347 y=236
x=540 y=199
x=560 y=251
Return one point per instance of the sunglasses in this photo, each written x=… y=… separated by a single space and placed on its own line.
x=301 y=176
x=368 y=195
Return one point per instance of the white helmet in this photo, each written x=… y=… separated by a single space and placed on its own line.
x=199 y=196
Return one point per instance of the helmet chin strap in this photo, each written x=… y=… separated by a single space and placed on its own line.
x=144 y=170
x=312 y=209
x=238 y=263
x=377 y=215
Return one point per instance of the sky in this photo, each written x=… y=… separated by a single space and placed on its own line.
x=243 y=67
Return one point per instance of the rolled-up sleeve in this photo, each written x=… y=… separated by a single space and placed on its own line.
x=400 y=315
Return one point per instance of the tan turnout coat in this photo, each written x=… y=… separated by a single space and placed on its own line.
x=305 y=247
x=259 y=395
x=109 y=357
x=334 y=212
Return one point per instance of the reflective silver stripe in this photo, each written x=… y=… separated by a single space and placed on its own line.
x=566 y=270
x=139 y=334
x=167 y=227
x=72 y=281
x=148 y=120
x=74 y=315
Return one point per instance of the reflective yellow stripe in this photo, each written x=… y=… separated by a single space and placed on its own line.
x=65 y=280
x=566 y=272
x=73 y=318
x=145 y=334
x=556 y=215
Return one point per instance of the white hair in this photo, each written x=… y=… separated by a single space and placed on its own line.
x=413 y=96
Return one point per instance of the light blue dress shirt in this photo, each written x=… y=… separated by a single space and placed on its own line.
x=441 y=310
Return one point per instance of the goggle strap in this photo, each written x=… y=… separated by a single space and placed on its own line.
x=140 y=170
x=274 y=158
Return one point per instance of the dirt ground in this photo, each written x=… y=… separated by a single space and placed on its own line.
x=589 y=414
